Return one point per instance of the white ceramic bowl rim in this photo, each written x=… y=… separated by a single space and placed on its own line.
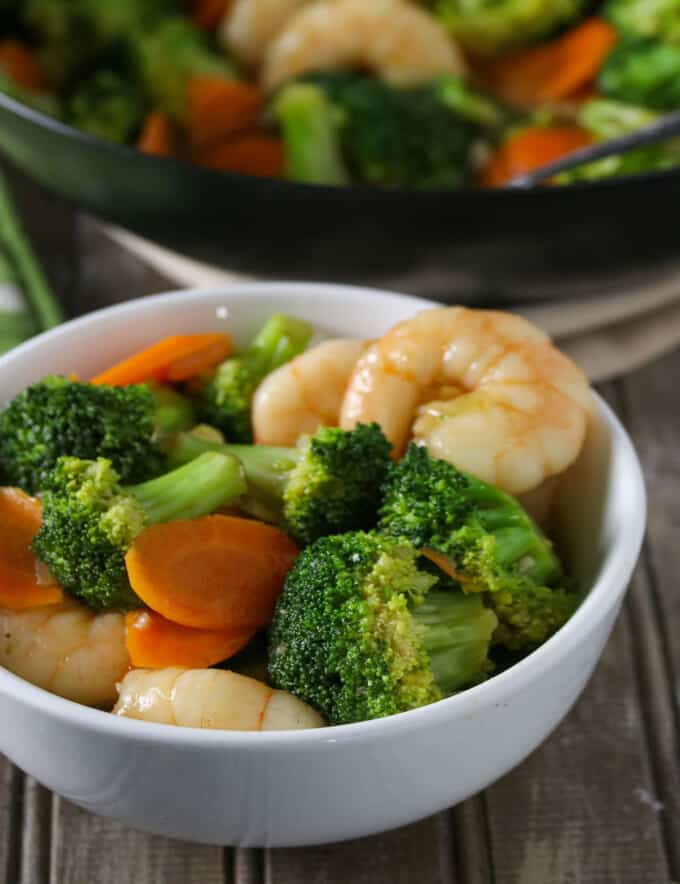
x=605 y=593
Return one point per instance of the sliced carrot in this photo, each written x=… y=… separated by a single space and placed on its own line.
x=251 y=154
x=219 y=107
x=18 y=63
x=24 y=581
x=530 y=149
x=217 y=572
x=208 y=14
x=174 y=359
x=445 y=564
x=154 y=642
x=556 y=70
x=156 y=137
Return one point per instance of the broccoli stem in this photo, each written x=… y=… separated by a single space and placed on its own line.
x=456 y=632
x=516 y=535
x=310 y=125
x=173 y=412
x=267 y=468
x=196 y=489
x=279 y=340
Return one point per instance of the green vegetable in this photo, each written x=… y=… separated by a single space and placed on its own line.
x=169 y=56
x=492 y=543
x=330 y=484
x=173 y=412
x=359 y=632
x=492 y=26
x=643 y=72
x=310 y=124
x=225 y=401
x=56 y=417
x=64 y=34
x=89 y=520
x=107 y=104
x=468 y=103
x=645 y=18
x=607 y=119
x=386 y=136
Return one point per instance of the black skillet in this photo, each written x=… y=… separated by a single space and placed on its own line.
x=473 y=245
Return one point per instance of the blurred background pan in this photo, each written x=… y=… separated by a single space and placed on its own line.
x=473 y=245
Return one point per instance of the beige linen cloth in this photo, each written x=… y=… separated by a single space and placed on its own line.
x=608 y=336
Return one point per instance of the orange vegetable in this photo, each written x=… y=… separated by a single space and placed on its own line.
x=24 y=581
x=530 y=149
x=219 y=107
x=154 y=642
x=17 y=61
x=208 y=14
x=556 y=70
x=172 y=359
x=156 y=137
x=216 y=572
x=250 y=154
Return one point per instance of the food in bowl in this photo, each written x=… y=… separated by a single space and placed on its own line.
x=351 y=499
x=385 y=93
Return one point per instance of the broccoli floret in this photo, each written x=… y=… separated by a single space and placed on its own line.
x=57 y=416
x=645 y=18
x=329 y=484
x=387 y=136
x=606 y=119
x=89 y=520
x=491 y=26
x=173 y=412
x=492 y=544
x=310 y=124
x=63 y=33
x=106 y=104
x=643 y=72
x=168 y=56
x=359 y=632
x=225 y=401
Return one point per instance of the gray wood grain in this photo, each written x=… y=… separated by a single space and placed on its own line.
x=581 y=809
x=419 y=853
x=36 y=834
x=88 y=849
x=10 y=820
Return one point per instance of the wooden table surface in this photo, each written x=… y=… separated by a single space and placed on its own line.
x=598 y=803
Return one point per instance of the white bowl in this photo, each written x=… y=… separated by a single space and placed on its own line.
x=296 y=788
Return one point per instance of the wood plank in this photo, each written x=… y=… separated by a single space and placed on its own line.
x=247 y=866
x=582 y=807
x=418 y=853
x=88 y=849
x=36 y=827
x=10 y=820
x=471 y=841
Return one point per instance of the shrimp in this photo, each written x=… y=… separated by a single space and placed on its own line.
x=395 y=39
x=215 y=699
x=488 y=391
x=304 y=394
x=66 y=649
x=250 y=26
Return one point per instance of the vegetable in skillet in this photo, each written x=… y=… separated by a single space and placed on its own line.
x=645 y=18
x=492 y=545
x=490 y=26
x=225 y=400
x=329 y=484
x=360 y=631
x=90 y=520
x=106 y=104
x=386 y=136
x=644 y=72
x=57 y=416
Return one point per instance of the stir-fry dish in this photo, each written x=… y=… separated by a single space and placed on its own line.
x=386 y=93
x=292 y=535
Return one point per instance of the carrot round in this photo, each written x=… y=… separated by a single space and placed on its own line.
x=22 y=577
x=250 y=154
x=530 y=149
x=216 y=572
x=18 y=63
x=556 y=70
x=219 y=107
x=173 y=359
x=156 y=643
x=156 y=137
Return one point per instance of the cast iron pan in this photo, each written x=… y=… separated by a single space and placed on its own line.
x=471 y=245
